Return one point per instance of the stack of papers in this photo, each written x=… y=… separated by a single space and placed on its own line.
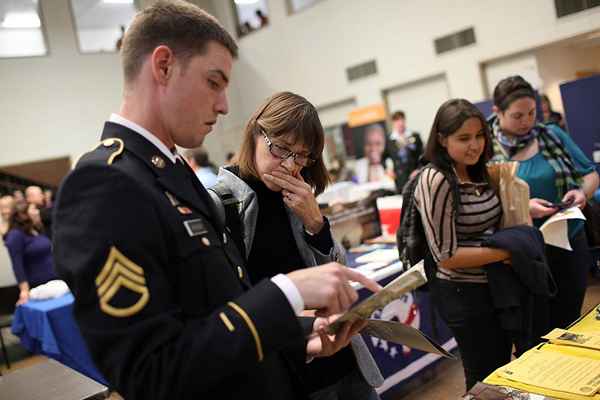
x=555 y=371
x=381 y=255
x=555 y=230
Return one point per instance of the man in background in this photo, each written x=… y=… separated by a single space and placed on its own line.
x=205 y=170
x=405 y=148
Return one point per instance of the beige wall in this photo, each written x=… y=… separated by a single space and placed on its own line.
x=560 y=63
x=308 y=52
x=54 y=106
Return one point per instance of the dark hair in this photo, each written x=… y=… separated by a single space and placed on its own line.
x=200 y=157
x=398 y=115
x=547 y=100
x=511 y=89
x=20 y=219
x=183 y=27
x=449 y=118
x=282 y=114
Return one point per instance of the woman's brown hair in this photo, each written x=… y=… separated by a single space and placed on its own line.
x=449 y=118
x=284 y=114
x=20 y=219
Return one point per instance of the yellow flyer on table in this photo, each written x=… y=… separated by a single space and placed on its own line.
x=555 y=371
x=588 y=340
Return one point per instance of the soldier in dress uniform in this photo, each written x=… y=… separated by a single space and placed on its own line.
x=161 y=294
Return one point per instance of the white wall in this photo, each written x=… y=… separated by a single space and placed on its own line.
x=55 y=105
x=525 y=64
x=20 y=42
x=420 y=102
x=308 y=52
x=96 y=40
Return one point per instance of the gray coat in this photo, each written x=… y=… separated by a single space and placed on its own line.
x=248 y=209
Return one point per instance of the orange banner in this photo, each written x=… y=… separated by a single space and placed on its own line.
x=366 y=115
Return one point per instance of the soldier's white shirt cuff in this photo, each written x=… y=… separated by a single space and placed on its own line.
x=290 y=291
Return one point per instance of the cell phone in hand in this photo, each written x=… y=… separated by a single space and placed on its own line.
x=562 y=205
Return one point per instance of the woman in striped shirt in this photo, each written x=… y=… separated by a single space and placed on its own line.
x=459 y=209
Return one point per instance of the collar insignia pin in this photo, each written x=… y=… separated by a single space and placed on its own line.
x=158 y=161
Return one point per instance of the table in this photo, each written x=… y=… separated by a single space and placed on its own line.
x=397 y=363
x=50 y=380
x=48 y=327
x=586 y=323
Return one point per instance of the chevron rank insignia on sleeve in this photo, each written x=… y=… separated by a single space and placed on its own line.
x=121 y=286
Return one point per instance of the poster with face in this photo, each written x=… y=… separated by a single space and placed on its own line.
x=366 y=141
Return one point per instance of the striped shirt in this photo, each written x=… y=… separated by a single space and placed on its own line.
x=478 y=217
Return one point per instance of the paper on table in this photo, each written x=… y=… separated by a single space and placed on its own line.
x=409 y=280
x=589 y=340
x=403 y=334
x=379 y=255
x=366 y=247
x=555 y=229
x=370 y=267
x=555 y=371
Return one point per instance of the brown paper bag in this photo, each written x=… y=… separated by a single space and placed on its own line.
x=513 y=193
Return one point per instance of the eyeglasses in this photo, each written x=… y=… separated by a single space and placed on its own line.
x=284 y=154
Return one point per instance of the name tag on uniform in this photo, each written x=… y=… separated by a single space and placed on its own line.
x=195 y=227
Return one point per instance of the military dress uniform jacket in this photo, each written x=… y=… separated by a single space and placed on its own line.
x=161 y=295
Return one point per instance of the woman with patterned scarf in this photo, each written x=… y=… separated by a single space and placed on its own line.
x=557 y=171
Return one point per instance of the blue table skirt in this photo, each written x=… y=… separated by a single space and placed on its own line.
x=48 y=327
x=398 y=363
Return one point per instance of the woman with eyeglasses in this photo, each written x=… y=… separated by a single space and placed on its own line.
x=280 y=228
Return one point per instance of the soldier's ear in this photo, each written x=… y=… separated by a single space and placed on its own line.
x=162 y=61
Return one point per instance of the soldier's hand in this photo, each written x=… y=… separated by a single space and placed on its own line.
x=321 y=344
x=327 y=287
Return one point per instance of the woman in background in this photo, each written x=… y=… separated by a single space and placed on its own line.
x=550 y=116
x=557 y=171
x=30 y=250
x=7 y=205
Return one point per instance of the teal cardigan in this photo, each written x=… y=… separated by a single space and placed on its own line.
x=540 y=176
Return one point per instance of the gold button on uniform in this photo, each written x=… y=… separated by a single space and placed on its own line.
x=205 y=241
x=240 y=272
x=158 y=161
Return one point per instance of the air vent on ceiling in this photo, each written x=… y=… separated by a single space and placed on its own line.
x=455 y=41
x=567 y=7
x=361 y=70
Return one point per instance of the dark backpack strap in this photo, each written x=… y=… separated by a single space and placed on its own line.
x=233 y=221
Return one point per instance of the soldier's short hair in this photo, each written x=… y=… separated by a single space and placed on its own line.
x=185 y=28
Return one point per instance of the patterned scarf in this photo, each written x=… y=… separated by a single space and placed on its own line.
x=567 y=177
